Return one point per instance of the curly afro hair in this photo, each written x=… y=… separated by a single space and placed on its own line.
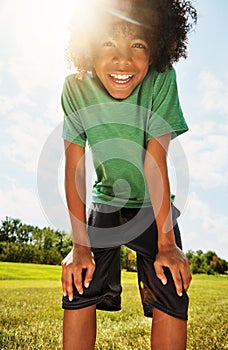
x=166 y=24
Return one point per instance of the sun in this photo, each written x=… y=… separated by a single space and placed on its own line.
x=38 y=36
x=49 y=19
x=48 y=22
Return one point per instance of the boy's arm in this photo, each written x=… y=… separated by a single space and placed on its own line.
x=169 y=255
x=81 y=257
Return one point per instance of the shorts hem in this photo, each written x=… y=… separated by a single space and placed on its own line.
x=100 y=302
x=168 y=312
x=75 y=306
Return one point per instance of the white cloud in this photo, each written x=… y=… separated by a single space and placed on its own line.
x=21 y=203
x=37 y=70
x=27 y=135
x=214 y=92
x=54 y=112
x=25 y=204
x=1 y=68
x=202 y=229
x=196 y=208
x=35 y=42
x=205 y=149
x=8 y=103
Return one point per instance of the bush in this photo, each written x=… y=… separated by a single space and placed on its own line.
x=208 y=263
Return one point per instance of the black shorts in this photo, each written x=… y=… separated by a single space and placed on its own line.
x=110 y=227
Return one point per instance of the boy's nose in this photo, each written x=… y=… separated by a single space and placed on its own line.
x=122 y=57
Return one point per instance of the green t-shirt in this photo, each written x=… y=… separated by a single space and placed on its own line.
x=117 y=131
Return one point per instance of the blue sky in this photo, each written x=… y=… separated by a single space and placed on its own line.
x=32 y=70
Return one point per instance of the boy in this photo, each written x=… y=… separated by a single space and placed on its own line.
x=128 y=111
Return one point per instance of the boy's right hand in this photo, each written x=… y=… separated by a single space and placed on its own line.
x=80 y=258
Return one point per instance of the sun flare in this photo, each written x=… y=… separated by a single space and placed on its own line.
x=47 y=21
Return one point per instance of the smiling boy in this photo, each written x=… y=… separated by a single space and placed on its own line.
x=123 y=59
x=128 y=111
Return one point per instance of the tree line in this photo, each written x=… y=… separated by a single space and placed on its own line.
x=208 y=263
x=30 y=244
x=20 y=242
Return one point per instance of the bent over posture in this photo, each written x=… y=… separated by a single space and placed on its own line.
x=123 y=101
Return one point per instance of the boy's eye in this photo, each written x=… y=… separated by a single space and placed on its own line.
x=108 y=44
x=139 y=46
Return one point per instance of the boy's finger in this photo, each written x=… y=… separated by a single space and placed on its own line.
x=177 y=281
x=68 y=290
x=78 y=282
x=64 y=287
x=186 y=276
x=89 y=275
x=63 y=280
x=160 y=273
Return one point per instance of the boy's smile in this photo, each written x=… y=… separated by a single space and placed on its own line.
x=122 y=60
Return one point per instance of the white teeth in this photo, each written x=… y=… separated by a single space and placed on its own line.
x=121 y=76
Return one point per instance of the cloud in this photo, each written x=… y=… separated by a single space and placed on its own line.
x=202 y=229
x=33 y=70
x=196 y=208
x=26 y=136
x=1 y=68
x=9 y=103
x=35 y=44
x=34 y=67
x=25 y=204
x=21 y=203
x=214 y=92
x=205 y=148
x=54 y=112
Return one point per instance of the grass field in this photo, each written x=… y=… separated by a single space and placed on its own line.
x=31 y=314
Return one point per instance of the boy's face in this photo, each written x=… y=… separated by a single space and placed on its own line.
x=122 y=59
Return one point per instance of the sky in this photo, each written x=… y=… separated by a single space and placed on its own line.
x=33 y=66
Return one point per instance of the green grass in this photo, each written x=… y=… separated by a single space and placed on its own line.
x=19 y=271
x=31 y=314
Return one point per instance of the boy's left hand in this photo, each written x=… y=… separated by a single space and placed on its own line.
x=173 y=258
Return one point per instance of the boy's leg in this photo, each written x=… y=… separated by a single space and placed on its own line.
x=79 y=329
x=169 y=310
x=79 y=324
x=168 y=333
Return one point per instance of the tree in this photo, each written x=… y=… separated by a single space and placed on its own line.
x=24 y=233
x=66 y=245
x=9 y=228
x=25 y=243
x=12 y=230
x=196 y=264
x=37 y=237
x=128 y=259
x=208 y=262
x=20 y=242
x=189 y=254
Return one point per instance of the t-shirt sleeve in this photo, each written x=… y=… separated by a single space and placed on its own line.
x=167 y=116
x=73 y=130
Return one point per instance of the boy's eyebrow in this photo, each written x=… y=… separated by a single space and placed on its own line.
x=138 y=36
x=125 y=18
x=132 y=37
